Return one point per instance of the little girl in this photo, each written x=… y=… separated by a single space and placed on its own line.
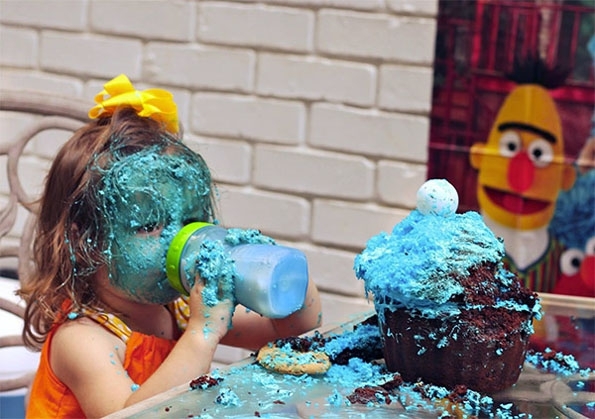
x=112 y=331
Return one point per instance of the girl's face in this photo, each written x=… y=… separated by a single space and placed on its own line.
x=149 y=197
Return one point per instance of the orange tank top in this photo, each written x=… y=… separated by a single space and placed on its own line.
x=50 y=398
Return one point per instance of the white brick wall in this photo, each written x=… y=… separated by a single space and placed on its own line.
x=369 y=132
x=313 y=114
x=254 y=25
x=313 y=78
x=376 y=36
x=94 y=55
x=200 y=66
x=162 y=19
x=18 y=47
x=68 y=15
x=248 y=117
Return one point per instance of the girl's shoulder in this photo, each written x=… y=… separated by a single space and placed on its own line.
x=82 y=332
x=90 y=360
x=81 y=345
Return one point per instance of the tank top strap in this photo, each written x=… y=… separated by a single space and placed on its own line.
x=181 y=311
x=179 y=308
x=110 y=322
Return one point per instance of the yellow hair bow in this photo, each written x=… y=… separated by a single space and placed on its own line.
x=157 y=104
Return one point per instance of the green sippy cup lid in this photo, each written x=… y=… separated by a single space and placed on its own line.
x=174 y=256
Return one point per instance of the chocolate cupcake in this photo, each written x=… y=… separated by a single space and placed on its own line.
x=448 y=310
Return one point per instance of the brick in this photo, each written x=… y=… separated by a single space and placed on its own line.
x=18 y=47
x=350 y=225
x=54 y=14
x=41 y=82
x=103 y=56
x=332 y=270
x=316 y=79
x=406 y=88
x=368 y=132
x=200 y=67
x=398 y=182
x=228 y=160
x=246 y=117
x=414 y=7
x=324 y=174
x=376 y=36
x=339 y=4
x=256 y=25
x=277 y=215
x=155 y=19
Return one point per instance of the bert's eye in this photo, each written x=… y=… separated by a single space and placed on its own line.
x=540 y=152
x=570 y=261
x=510 y=144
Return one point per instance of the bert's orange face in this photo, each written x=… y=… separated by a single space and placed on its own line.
x=521 y=167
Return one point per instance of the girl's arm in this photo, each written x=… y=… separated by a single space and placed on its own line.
x=90 y=360
x=251 y=330
x=193 y=353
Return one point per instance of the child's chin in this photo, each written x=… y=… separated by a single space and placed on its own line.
x=159 y=297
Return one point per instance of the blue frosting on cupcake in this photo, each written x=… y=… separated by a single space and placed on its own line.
x=418 y=266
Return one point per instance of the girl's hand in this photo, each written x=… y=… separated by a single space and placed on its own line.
x=213 y=321
x=194 y=351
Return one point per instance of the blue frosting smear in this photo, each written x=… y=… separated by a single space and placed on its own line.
x=418 y=264
x=421 y=264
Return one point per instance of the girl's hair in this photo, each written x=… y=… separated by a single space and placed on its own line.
x=69 y=242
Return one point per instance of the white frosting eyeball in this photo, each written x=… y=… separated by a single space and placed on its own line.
x=438 y=197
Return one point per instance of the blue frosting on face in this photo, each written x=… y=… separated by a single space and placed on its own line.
x=145 y=198
x=417 y=265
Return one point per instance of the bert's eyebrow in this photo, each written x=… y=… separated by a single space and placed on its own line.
x=527 y=127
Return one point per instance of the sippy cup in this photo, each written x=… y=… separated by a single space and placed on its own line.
x=271 y=280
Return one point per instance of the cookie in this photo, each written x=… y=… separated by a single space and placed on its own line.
x=286 y=360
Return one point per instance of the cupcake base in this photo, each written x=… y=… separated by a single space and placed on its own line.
x=481 y=349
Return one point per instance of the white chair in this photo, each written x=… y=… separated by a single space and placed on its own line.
x=25 y=118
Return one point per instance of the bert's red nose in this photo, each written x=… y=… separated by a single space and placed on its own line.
x=521 y=172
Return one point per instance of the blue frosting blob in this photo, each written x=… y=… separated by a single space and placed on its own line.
x=417 y=265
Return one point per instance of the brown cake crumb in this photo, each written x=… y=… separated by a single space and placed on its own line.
x=204 y=381
x=458 y=394
x=302 y=344
x=367 y=394
x=394 y=383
